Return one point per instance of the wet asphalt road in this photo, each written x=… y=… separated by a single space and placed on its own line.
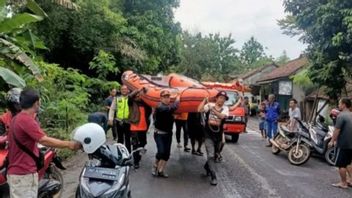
x=248 y=170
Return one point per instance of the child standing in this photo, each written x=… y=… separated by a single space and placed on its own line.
x=262 y=120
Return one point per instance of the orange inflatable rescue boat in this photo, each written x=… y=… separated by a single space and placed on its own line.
x=190 y=97
x=177 y=80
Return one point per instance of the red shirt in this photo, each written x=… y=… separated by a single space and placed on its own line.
x=28 y=132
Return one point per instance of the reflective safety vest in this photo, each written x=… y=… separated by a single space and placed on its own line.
x=122 y=108
x=142 y=124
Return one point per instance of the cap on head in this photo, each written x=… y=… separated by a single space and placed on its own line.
x=165 y=93
x=222 y=93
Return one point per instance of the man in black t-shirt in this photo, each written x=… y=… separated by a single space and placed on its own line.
x=342 y=139
x=163 y=123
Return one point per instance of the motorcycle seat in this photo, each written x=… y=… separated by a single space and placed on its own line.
x=287 y=132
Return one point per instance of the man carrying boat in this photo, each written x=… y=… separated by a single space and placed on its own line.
x=216 y=113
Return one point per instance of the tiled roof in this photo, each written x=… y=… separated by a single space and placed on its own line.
x=254 y=71
x=286 y=70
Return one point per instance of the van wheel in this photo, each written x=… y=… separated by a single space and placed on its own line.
x=234 y=138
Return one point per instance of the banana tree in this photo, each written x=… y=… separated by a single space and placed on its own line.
x=12 y=29
x=11 y=78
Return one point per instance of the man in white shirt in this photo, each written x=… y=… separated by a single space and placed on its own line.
x=216 y=113
x=294 y=114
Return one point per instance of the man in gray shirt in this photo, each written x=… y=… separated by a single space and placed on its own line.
x=342 y=139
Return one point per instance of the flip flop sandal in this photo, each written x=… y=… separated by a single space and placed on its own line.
x=338 y=185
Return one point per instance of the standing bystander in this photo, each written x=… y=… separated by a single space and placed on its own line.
x=342 y=139
x=272 y=112
x=24 y=155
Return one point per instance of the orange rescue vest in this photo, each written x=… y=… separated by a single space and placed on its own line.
x=142 y=124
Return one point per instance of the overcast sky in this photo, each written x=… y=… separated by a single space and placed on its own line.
x=242 y=18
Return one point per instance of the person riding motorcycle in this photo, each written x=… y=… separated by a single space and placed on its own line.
x=13 y=107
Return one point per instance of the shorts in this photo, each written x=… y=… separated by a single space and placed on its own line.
x=343 y=157
x=23 y=185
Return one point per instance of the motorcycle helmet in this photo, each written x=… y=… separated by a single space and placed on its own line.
x=14 y=95
x=91 y=136
x=13 y=100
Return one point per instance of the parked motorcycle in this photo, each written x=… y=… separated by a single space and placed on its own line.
x=51 y=181
x=297 y=144
x=320 y=136
x=106 y=174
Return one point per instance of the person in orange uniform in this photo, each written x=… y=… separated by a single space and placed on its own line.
x=139 y=122
x=180 y=121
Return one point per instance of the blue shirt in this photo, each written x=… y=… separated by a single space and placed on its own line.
x=272 y=112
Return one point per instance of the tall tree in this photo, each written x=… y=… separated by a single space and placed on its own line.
x=151 y=25
x=251 y=52
x=210 y=57
x=326 y=27
x=141 y=35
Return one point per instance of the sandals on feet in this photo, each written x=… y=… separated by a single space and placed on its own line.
x=339 y=185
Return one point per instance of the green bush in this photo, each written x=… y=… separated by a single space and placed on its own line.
x=66 y=99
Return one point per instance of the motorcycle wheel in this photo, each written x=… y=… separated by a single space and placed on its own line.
x=330 y=156
x=275 y=150
x=301 y=156
x=56 y=174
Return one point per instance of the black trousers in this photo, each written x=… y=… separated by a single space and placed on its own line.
x=181 y=124
x=139 y=139
x=196 y=134
x=123 y=134
x=163 y=145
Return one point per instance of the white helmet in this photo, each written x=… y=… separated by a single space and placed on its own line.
x=91 y=136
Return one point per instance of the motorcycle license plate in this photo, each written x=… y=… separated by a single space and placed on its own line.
x=101 y=173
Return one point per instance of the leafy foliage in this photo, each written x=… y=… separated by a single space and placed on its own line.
x=66 y=98
x=210 y=57
x=251 y=52
x=11 y=31
x=326 y=26
x=11 y=78
x=141 y=35
x=103 y=63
